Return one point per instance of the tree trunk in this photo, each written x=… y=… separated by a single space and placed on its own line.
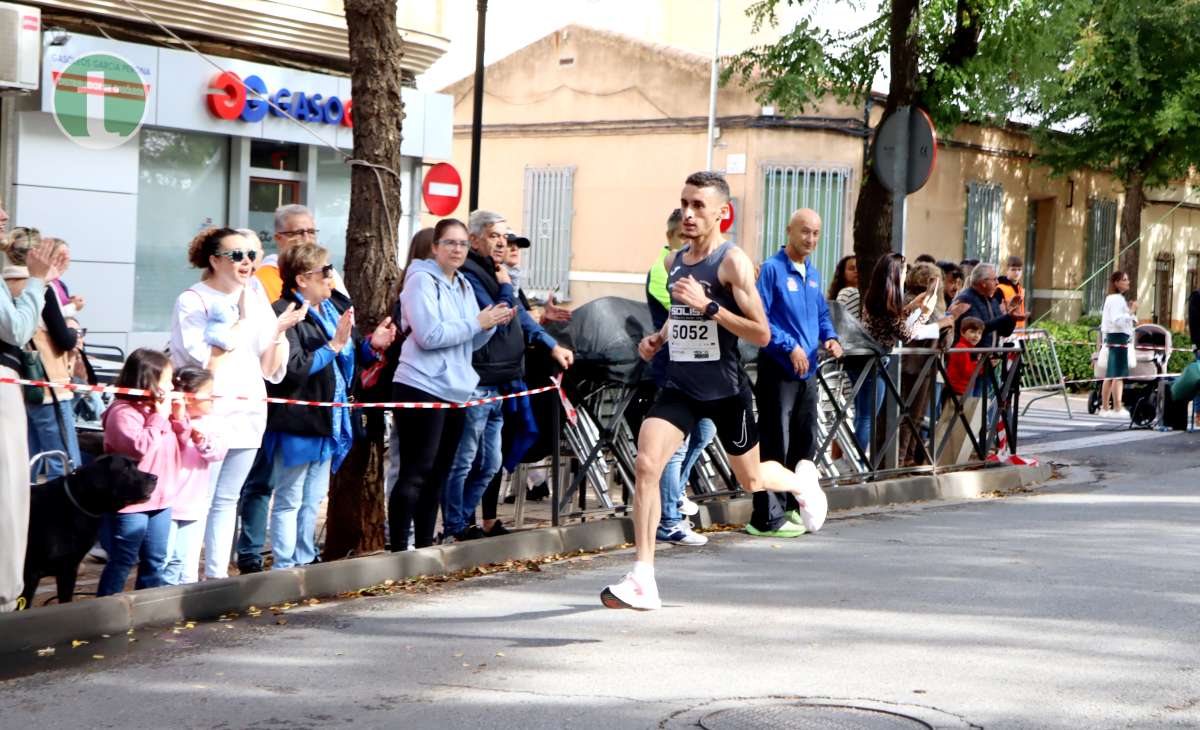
x=873 y=213
x=1131 y=229
x=354 y=522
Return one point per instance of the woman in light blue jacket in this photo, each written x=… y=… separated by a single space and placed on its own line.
x=443 y=325
x=18 y=321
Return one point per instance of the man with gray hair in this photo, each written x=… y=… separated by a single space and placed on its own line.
x=293 y=224
x=980 y=295
x=501 y=367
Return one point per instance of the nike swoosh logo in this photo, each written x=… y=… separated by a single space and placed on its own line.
x=741 y=443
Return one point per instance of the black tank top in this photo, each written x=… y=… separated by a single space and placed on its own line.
x=703 y=356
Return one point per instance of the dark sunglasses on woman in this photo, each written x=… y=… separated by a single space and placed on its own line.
x=237 y=254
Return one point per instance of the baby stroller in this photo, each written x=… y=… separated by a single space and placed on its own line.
x=1141 y=387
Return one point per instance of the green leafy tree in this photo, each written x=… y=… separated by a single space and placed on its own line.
x=957 y=59
x=1126 y=100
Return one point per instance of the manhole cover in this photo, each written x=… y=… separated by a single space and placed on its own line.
x=808 y=717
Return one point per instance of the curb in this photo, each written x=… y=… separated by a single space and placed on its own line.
x=27 y=630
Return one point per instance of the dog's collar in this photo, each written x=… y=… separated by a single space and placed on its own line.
x=67 y=489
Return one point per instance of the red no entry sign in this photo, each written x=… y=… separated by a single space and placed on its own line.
x=442 y=189
x=727 y=219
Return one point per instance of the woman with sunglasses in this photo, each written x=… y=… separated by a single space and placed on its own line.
x=304 y=444
x=224 y=325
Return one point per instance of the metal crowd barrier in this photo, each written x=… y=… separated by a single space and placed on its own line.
x=941 y=430
x=1043 y=372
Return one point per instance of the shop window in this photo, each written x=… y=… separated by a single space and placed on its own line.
x=266 y=155
x=985 y=215
x=330 y=204
x=1100 y=247
x=183 y=188
x=548 y=212
x=788 y=187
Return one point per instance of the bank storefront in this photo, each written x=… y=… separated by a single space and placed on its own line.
x=204 y=156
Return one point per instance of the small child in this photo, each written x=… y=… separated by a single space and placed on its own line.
x=152 y=430
x=190 y=510
x=961 y=365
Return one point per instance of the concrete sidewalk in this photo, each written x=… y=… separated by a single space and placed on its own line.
x=58 y=624
x=1070 y=606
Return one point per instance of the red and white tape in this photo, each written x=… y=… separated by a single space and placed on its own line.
x=572 y=416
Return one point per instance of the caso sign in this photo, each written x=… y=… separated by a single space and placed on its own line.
x=228 y=99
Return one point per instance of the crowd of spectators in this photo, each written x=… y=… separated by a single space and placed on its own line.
x=461 y=328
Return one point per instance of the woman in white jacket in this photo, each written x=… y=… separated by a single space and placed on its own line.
x=227 y=326
x=1116 y=325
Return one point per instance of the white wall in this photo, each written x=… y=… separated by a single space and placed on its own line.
x=88 y=198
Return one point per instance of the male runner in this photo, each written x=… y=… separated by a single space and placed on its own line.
x=714 y=301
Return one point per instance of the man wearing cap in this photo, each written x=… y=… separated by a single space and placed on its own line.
x=500 y=365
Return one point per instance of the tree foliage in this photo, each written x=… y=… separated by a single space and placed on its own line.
x=974 y=59
x=1128 y=97
x=1124 y=98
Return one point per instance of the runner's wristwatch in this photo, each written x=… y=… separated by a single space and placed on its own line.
x=711 y=310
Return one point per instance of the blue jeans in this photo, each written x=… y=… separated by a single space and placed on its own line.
x=298 y=493
x=1196 y=400
x=679 y=468
x=253 y=508
x=227 y=480
x=183 y=552
x=45 y=435
x=867 y=402
x=135 y=538
x=475 y=463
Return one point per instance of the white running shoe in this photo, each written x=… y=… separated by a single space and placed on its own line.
x=687 y=507
x=631 y=593
x=681 y=534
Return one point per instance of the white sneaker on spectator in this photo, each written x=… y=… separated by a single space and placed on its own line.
x=687 y=506
x=631 y=592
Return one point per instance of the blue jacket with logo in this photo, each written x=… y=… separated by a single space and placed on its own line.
x=796 y=311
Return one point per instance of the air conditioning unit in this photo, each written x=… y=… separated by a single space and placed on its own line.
x=20 y=46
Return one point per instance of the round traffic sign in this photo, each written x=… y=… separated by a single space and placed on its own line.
x=905 y=150
x=442 y=189
x=727 y=219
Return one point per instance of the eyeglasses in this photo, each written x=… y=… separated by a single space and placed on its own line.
x=453 y=243
x=80 y=331
x=299 y=232
x=325 y=271
x=237 y=254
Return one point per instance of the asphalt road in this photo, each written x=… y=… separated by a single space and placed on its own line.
x=1074 y=606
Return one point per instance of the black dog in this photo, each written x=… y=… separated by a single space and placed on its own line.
x=64 y=517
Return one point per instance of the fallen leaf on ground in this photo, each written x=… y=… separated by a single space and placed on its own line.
x=97 y=656
x=499 y=653
x=76 y=643
x=48 y=651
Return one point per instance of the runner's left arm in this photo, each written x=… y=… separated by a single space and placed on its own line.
x=737 y=272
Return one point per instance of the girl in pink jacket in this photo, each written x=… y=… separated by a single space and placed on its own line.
x=190 y=510
x=152 y=430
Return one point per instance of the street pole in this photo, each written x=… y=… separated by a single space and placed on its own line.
x=712 y=85
x=477 y=111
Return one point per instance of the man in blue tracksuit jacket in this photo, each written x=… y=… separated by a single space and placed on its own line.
x=793 y=297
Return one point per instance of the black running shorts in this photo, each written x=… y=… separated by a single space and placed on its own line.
x=733 y=416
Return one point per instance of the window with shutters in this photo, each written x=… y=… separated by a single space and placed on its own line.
x=1164 y=290
x=1193 y=272
x=548 y=212
x=1100 y=248
x=823 y=188
x=985 y=214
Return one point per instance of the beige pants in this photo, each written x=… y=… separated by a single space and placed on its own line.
x=958 y=448
x=14 y=492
